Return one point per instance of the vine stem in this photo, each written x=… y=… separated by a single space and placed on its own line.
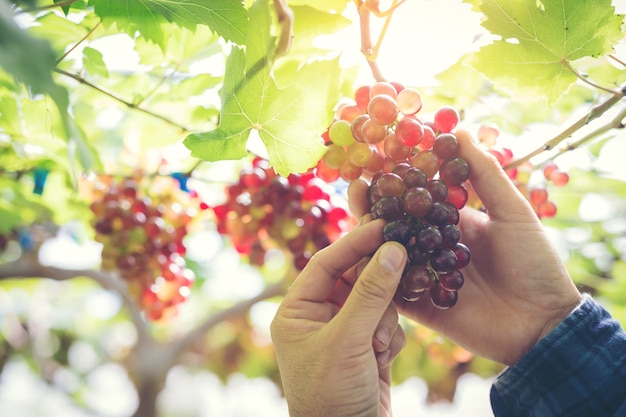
x=48 y=7
x=93 y=29
x=28 y=266
x=153 y=359
x=585 y=80
x=593 y=114
x=285 y=19
x=371 y=51
x=83 y=81
x=366 y=42
x=616 y=123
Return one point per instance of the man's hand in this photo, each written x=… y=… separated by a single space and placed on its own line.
x=516 y=288
x=336 y=332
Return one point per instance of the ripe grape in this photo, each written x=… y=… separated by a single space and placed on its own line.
x=398 y=230
x=409 y=131
x=383 y=109
x=416 y=181
x=142 y=236
x=446 y=146
x=409 y=101
x=446 y=119
x=442 y=298
x=293 y=213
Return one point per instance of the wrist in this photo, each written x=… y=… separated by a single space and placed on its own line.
x=560 y=315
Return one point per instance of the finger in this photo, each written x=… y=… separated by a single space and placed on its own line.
x=317 y=280
x=386 y=329
x=494 y=188
x=373 y=291
x=344 y=284
x=398 y=341
x=357 y=198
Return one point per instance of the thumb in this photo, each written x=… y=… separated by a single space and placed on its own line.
x=373 y=291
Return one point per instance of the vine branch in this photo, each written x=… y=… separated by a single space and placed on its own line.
x=616 y=123
x=128 y=104
x=48 y=7
x=93 y=29
x=593 y=114
x=28 y=266
x=285 y=19
x=369 y=50
x=585 y=80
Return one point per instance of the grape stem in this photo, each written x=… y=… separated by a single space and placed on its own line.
x=371 y=51
x=593 y=114
x=585 y=79
x=285 y=19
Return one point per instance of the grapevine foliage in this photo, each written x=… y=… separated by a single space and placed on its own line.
x=539 y=41
x=204 y=81
x=288 y=119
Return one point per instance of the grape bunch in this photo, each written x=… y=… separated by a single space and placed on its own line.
x=536 y=194
x=416 y=182
x=142 y=236
x=264 y=210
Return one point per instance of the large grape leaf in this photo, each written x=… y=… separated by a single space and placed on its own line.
x=288 y=119
x=228 y=18
x=540 y=39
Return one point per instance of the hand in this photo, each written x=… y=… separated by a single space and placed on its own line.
x=516 y=288
x=334 y=342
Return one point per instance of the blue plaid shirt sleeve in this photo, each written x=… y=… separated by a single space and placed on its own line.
x=577 y=370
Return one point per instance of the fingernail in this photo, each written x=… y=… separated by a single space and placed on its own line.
x=383 y=335
x=384 y=357
x=391 y=257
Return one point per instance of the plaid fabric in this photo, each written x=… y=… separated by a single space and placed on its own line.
x=579 y=369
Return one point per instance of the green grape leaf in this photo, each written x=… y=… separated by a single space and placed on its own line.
x=79 y=4
x=334 y=6
x=288 y=120
x=227 y=18
x=60 y=32
x=94 y=63
x=541 y=39
x=31 y=61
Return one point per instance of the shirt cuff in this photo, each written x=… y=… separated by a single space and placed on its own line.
x=572 y=371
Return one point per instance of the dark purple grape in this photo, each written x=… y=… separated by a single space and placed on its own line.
x=446 y=146
x=438 y=189
x=415 y=177
x=399 y=231
x=452 y=281
x=438 y=214
x=417 y=201
x=462 y=253
x=388 y=208
x=443 y=260
x=429 y=239
x=417 y=278
x=454 y=171
x=401 y=169
x=408 y=295
x=442 y=298
x=416 y=255
x=450 y=234
x=390 y=184
x=372 y=193
x=454 y=213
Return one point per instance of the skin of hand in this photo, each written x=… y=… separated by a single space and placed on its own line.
x=516 y=288
x=335 y=335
